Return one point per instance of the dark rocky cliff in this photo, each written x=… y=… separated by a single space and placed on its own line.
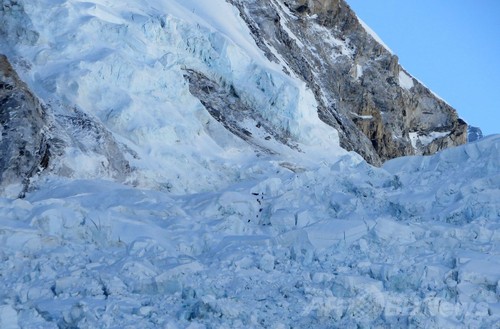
x=24 y=126
x=379 y=110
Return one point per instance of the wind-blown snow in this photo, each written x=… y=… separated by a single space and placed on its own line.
x=218 y=236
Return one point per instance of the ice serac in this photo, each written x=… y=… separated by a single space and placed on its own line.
x=379 y=109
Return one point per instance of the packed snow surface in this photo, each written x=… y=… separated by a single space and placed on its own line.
x=210 y=234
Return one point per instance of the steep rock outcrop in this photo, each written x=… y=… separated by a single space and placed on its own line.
x=379 y=110
x=24 y=143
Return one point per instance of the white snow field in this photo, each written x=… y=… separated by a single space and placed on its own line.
x=207 y=233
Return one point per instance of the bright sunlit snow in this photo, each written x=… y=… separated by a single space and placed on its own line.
x=405 y=80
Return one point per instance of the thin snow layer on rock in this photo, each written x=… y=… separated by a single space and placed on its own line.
x=419 y=139
x=359 y=71
x=132 y=79
x=413 y=244
x=405 y=80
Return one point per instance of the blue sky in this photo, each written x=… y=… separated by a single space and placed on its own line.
x=452 y=46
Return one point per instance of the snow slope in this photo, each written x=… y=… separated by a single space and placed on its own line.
x=208 y=233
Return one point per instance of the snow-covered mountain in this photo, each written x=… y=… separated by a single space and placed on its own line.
x=189 y=83
x=188 y=163
x=474 y=134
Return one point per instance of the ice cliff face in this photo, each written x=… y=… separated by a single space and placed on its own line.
x=165 y=88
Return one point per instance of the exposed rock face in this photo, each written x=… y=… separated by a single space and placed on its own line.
x=379 y=110
x=24 y=142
